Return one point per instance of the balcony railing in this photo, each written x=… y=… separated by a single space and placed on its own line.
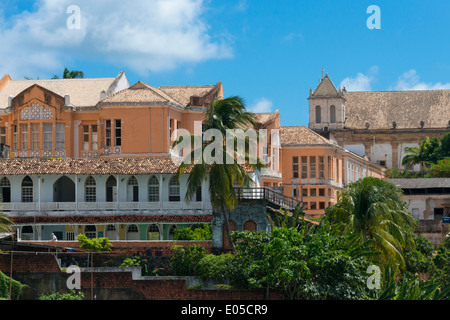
x=47 y=153
x=317 y=181
x=101 y=206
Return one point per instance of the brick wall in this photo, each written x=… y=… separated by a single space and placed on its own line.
x=162 y=248
x=31 y=269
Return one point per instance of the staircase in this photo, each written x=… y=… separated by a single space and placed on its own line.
x=276 y=200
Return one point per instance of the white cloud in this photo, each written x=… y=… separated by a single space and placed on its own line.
x=262 y=105
x=146 y=35
x=411 y=81
x=362 y=82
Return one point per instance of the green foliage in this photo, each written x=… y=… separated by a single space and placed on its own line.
x=16 y=287
x=96 y=244
x=73 y=295
x=137 y=261
x=441 y=169
x=441 y=264
x=202 y=232
x=374 y=209
x=219 y=267
x=419 y=258
x=317 y=265
x=184 y=260
x=409 y=287
x=432 y=154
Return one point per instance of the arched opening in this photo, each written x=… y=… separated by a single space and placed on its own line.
x=318 y=114
x=171 y=232
x=153 y=232
x=27 y=189
x=90 y=231
x=27 y=233
x=332 y=114
x=153 y=189
x=132 y=232
x=64 y=190
x=111 y=232
x=250 y=225
x=133 y=190
x=5 y=190
x=111 y=189
x=90 y=190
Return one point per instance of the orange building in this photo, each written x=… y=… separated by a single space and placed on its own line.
x=89 y=118
x=315 y=169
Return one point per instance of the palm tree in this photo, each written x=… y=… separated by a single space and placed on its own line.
x=5 y=223
x=222 y=115
x=417 y=155
x=67 y=74
x=373 y=208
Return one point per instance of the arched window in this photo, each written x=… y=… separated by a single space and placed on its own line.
x=90 y=231
x=174 y=189
x=27 y=233
x=133 y=190
x=153 y=189
x=111 y=232
x=318 y=114
x=332 y=114
x=153 y=232
x=90 y=190
x=250 y=225
x=111 y=189
x=27 y=189
x=5 y=190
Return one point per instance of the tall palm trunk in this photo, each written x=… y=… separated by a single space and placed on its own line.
x=227 y=225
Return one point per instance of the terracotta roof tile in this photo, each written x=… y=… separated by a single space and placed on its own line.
x=132 y=166
x=301 y=135
x=407 y=108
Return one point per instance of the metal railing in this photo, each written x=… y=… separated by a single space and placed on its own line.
x=266 y=194
x=101 y=206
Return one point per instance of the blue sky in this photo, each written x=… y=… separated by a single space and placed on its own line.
x=268 y=52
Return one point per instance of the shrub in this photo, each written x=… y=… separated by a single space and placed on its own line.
x=203 y=232
x=184 y=261
x=96 y=244
x=73 y=295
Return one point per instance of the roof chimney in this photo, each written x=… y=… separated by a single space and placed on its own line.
x=67 y=99
x=10 y=99
x=102 y=95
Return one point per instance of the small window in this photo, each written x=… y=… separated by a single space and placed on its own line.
x=48 y=136
x=118 y=133
x=90 y=231
x=90 y=190
x=27 y=189
x=174 y=189
x=318 y=114
x=60 y=136
x=108 y=133
x=332 y=114
x=295 y=167
x=321 y=192
x=153 y=189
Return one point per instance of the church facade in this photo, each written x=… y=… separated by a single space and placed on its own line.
x=378 y=124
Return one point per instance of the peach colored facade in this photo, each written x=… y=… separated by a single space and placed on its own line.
x=40 y=123
x=314 y=173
